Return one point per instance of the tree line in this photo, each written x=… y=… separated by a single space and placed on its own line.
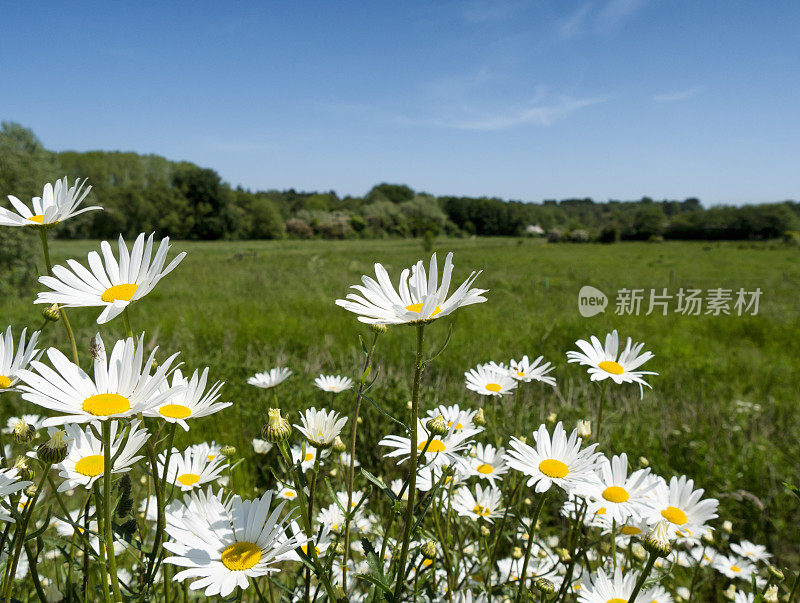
x=148 y=193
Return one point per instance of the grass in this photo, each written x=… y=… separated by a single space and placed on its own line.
x=247 y=306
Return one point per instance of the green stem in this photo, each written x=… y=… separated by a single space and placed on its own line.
x=126 y=320
x=516 y=408
x=531 y=531
x=642 y=577
x=312 y=487
x=160 y=522
x=697 y=574
x=412 y=470
x=108 y=527
x=614 y=543
x=61 y=313
x=600 y=408
x=32 y=565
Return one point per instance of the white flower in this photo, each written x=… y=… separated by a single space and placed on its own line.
x=612 y=587
x=287 y=493
x=191 y=469
x=558 y=461
x=57 y=203
x=10 y=484
x=420 y=298
x=188 y=399
x=320 y=427
x=524 y=370
x=488 y=463
x=484 y=504
x=10 y=363
x=333 y=383
x=121 y=387
x=657 y=594
x=604 y=363
x=34 y=421
x=307 y=457
x=683 y=507
x=113 y=287
x=261 y=446
x=85 y=462
x=488 y=380
x=444 y=450
x=270 y=378
x=734 y=567
x=455 y=417
x=222 y=543
x=753 y=552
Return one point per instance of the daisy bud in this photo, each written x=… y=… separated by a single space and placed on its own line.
x=338 y=445
x=228 y=450
x=516 y=553
x=528 y=502
x=333 y=472
x=360 y=420
x=656 y=542
x=429 y=550
x=339 y=548
x=545 y=586
x=771 y=594
x=30 y=491
x=277 y=429
x=552 y=418
x=563 y=554
x=727 y=527
x=485 y=532
x=24 y=472
x=54 y=450
x=730 y=592
x=643 y=463
x=50 y=313
x=638 y=551
x=23 y=433
x=408 y=405
x=708 y=537
x=379 y=329
x=479 y=419
x=437 y=426
x=776 y=573
x=584 y=429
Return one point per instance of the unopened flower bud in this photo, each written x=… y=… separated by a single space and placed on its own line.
x=339 y=548
x=360 y=420
x=479 y=419
x=657 y=542
x=552 y=418
x=771 y=594
x=429 y=550
x=338 y=445
x=24 y=471
x=563 y=554
x=776 y=573
x=730 y=592
x=708 y=537
x=516 y=553
x=50 y=313
x=584 y=429
x=29 y=492
x=643 y=463
x=22 y=432
x=277 y=428
x=638 y=551
x=379 y=329
x=409 y=405
x=545 y=586
x=437 y=426
x=485 y=532
x=54 y=450
x=228 y=450
x=727 y=527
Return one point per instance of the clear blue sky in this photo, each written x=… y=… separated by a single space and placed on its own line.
x=524 y=100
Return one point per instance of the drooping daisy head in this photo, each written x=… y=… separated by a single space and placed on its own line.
x=606 y=362
x=320 y=427
x=11 y=363
x=608 y=588
x=555 y=460
x=270 y=378
x=734 y=567
x=420 y=298
x=10 y=483
x=122 y=385
x=490 y=380
x=525 y=370
x=189 y=399
x=750 y=551
x=683 y=507
x=221 y=544
x=484 y=504
x=85 y=462
x=110 y=284
x=333 y=383
x=13 y=423
x=58 y=202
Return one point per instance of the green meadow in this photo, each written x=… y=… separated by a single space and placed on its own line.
x=723 y=408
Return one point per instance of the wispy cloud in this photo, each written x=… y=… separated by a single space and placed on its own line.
x=680 y=95
x=615 y=11
x=598 y=17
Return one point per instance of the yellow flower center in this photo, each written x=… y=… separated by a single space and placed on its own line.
x=105 y=405
x=630 y=530
x=481 y=510
x=485 y=469
x=241 y=556
x=5 y=382
x=211 y=457
x=174 y=411
x=520 y=374
x=188 y=479
x=617 y=600
x=427 y=562
x=674 y=515
x=612 y=367
x=736 y=568
x=290 y=494
x=493 y=387
x=304 y=548
x=90 y=466
x=458 y=425
x=39 y=219
x=308 y=457
x=601 y=511
x=119 y=293
x=616 y=494
x=418 y=307
x=553 y=468
x=434 y=446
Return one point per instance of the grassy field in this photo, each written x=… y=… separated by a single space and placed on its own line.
x=723 y=408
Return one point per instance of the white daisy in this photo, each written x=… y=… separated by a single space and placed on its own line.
x=210 y=449
x=188 y=399
x=122 y=385
x=191 y=469
x=455 y=416
x=490 y=381
x=224 y=543
x=113 y=287
x=420 y=298
x=683 y=508
x=750 y=551
x=307 y=457
x=320 y=427
x=558 y=460
x=430 y=475
x=322 y=540
x=621 y=497
x=57 y=203
x=612 y=588
x=442 y=450
x=743 y=597
x=734 y=567
x=85 y=461
x=657 y=594
x=397 y=486
x=287 y=493
x=488 y=463
x=270 y=378
x=34 y=421
x=10 y=484
x=605 y=363
x=261 y=446
x=525 y=370
x=333 y=383
x=11 y=364
x=485 y=503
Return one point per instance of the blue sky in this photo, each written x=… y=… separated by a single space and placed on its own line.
x=525 y=100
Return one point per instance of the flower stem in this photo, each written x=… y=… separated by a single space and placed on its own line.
x=412 y=469
x=61 y=313
x=531 y=530
x=108 y=527
x=642 y=577
x=600 y=408
x=516 y=408
x=126 y=320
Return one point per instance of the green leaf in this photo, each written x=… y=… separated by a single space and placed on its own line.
x=379 y=484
